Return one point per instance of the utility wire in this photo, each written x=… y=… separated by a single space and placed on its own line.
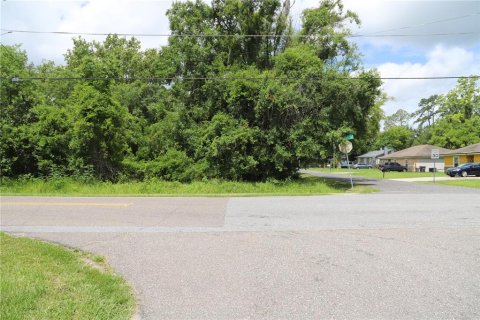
x=373 y=34
x=426 y=23
x=11 y=31
x=18 y=79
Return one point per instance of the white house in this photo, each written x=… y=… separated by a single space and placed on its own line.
x=373 y=157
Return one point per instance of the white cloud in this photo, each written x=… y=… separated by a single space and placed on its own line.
x=441 y=61
x=74 y=16
x=411 y=17
x=139 y=17
x=130 y=16
x=439 y=56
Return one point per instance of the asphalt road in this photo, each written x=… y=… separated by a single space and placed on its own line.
x=389 y=255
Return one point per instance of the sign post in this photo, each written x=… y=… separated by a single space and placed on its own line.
x=346 y=146
x=434 y=156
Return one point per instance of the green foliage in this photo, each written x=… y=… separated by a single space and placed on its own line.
x=454 y=131
x=17 y=100
x=238 y=108
x=453 y=119
x=428 y=110
x=50 y=140
x=174 y=165
x=227 y=145
x=396 y=138
x=400 y=118
x=98 y=131
x=304 y=185
x=464 y=99
x=325 y=29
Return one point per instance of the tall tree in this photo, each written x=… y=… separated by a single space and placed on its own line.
x=18 y=97
x=458 y=125
x=427 y=111
x=326 y=28
x=98 y=141
x=396 y=138
x=463 y=99
x=236 y=94
x=453 y=131
x=288 y=112
x=400 y=118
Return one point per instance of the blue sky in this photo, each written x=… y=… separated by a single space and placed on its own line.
x=415 y=56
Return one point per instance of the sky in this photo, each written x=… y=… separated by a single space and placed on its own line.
x=444 y=36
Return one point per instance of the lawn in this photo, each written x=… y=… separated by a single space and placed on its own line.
x=377 y=174
x=46 y=281
x=473 y=183
x=305 y=185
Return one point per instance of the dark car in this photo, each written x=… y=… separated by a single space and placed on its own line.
x=393 y=166
x=467 y=169
x=362 y=166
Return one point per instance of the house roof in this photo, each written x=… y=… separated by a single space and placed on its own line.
x=372 y=154
x=474 y=148
x=420 y=151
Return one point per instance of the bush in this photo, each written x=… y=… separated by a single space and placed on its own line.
x=174 y=165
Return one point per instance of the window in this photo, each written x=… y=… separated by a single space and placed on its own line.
x=470 y=158
x=455 y=161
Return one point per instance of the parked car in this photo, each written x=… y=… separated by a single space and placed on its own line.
x=345 y=164
x=467 y=169
x=393 y=166
x=362 y=166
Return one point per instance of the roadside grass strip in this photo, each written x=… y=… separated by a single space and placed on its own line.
x=305 y=185
x=468 y=182
x=377 y=174
x=40 y=280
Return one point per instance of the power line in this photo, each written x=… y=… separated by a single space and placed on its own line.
x=152 y=79
x=414 y=35
x=11 y=31
x=428 y=23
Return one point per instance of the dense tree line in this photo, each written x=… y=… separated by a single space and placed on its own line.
x=451 y=120
x=243 y=106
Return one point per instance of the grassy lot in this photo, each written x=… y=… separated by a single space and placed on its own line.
x=45 y=281
x=305 y=185
x=377 y=174
x=474 y=183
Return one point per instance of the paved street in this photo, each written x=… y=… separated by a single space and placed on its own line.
x=394 y=254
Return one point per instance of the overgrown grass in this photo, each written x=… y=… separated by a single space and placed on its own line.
x=377 y=174
x=305 y=185
x=474 y=183
x=45 y=281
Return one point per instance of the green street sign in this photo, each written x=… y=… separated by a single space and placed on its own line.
x=349 y=137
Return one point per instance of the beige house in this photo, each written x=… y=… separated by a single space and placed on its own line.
x=418 y=158
x=460 y=156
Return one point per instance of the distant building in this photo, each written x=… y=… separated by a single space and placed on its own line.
x=373 y=157
x=418 y=158
x=460 y=156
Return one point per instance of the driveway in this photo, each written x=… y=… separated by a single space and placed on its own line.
x=390 y=255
